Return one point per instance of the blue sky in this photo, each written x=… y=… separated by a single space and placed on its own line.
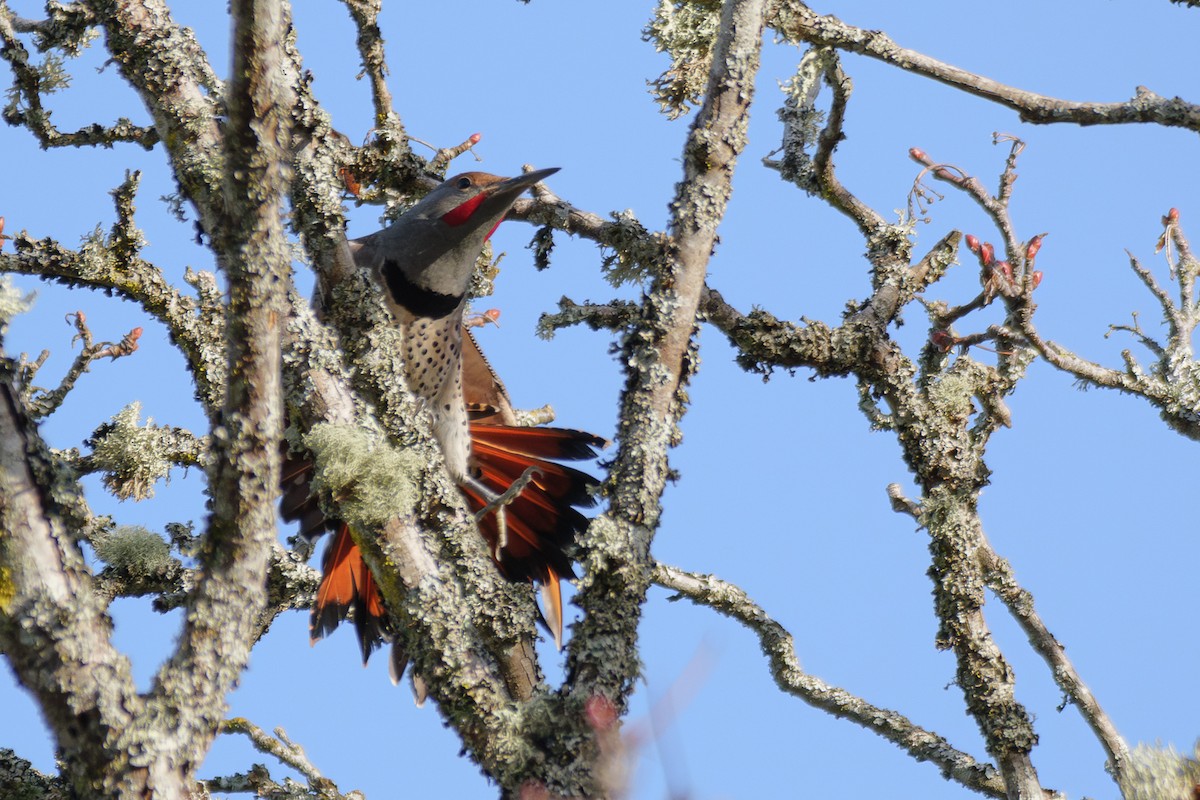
x=782 y=483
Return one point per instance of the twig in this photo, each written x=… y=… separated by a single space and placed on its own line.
x=779 y=647
x=47 y=402
x=287 y=751
x=1003 y=582
x=797 y=22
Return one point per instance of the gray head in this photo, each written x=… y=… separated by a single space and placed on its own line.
x=432 y=248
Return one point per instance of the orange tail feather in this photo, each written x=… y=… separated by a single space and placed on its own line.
x=542 y=523
x=348 y=586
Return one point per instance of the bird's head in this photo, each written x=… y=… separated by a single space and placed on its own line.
x=436 y=242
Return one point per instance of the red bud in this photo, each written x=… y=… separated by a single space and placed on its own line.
x=1032 y=248
x=1035 y=278
x=136 y=333
x=972 y=244
x=1172 y=216
x=474 y=138
x=985 y=254
x=1005 y=269
x=917 y=154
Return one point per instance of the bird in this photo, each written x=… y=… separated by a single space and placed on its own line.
x=526 y=504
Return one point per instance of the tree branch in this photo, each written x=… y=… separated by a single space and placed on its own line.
x=660 y=353
x=780 y=649
x=230 y=594
x=796 y=22
x=53 y=627
x=1000 y=578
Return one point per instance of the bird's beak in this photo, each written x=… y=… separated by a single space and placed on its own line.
x=509 y=189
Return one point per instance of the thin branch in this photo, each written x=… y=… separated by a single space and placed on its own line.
x=388 y=125
x=47 y=402
x=113 y=265
x=1171 y=385
x=1003 y=582
x=31 y=82
x=797 y=22
x=779 y=647
x=800 y=118
x=1171 y=313
x=841 y=198
x=288 y=753
x=995 y=207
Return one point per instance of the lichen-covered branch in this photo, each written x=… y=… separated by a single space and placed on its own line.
x=661 y=356
x=1172 y=383
x=231 y=589
x=289 y=753
x=53 y=628
x=365 y=14
x=800 y=117
x=112 y=264
x=1001 y=580
x=780 y=649
x=930 y=408
x=798 y=23
x=18 y=778
x=31 y=82
x=166 y=66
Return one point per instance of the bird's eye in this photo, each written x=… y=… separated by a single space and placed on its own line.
x=464 y=182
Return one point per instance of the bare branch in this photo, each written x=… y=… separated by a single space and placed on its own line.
x=1171 y=383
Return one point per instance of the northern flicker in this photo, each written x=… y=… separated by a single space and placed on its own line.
x=423 y=263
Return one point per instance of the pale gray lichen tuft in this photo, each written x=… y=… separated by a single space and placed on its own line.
x=802 y=122
x=631 y=254
x=686 y=31
x=360 y=472
x=1156 y=773
x=132 y=458
x=12 y=302
x=134 y=549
